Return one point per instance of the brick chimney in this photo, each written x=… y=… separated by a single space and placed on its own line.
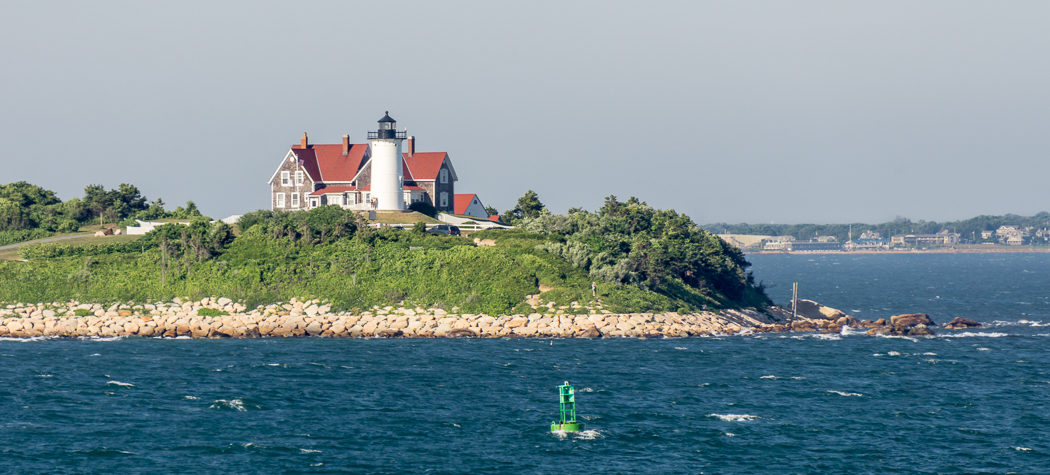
x=346 y=145
x=304 y=142
x=411 y=145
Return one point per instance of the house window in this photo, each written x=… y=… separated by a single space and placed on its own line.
x=280 y=199
x=444 y=175
x=298 y=177
x=335 y=199
x=444 y=199
x=285 y=178
x=313 y=202
x=295 y=200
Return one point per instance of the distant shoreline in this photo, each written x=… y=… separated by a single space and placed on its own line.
x=958 y=250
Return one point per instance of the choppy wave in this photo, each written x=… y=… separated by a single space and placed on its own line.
x=769 y=377
x=118 y=383
x=975 y=335
x=236 y=404
x=734 y=417
x=842 y=393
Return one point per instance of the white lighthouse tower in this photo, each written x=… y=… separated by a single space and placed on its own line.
x=388 y=178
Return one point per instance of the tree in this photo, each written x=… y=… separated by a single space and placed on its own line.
x=529 y=206
x=491 y=211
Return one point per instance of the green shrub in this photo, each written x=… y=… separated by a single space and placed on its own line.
x=211 y=312
x=83 y=312
x=22 y=235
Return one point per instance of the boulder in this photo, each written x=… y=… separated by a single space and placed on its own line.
x=909 y=320
x=388 y=333
x=314 y=329
x=816 y=311
x=919 y=330
x=959 y=323
x=467 y=332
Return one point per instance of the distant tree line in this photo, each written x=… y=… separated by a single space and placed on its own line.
x=968 y=229
x=28 y=210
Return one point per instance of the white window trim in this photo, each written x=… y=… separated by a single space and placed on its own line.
x=286 y=178
x=444 y=199
x=299 y=177
x=295 y=200
x=280 y=200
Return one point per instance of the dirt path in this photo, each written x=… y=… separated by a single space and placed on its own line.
x=50 y=239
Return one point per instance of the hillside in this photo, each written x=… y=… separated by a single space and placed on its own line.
x=664 y=264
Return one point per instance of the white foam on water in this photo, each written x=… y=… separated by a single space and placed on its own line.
x=96 y=354
x=730 y=434
x=191 y=398
x=1022 y=449
x=894 y=353
x=977 y=334
x=909 y=338
x=798 y=378
x=118 y=383
x=106 y=338
x=929 y=354
x=24 y=340
x=44 y=376
x=184 y=337
x=234 y=404
x=734 y=417
x=273 y=364
x=680 y=348
x=984 y=349
x=588 y=434
x=848 y=330
x=828 y=336
x=308 y=451
x=841 y=393
x=560 y=434
x=879 y=354
x=769 y=377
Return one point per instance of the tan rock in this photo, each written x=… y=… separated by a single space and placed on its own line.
x=314 y=329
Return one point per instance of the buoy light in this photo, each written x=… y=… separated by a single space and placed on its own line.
x=567 y=408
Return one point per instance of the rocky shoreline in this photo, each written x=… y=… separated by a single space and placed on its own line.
x=224 y=318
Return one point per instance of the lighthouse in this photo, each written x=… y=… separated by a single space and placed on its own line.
x=388 y=178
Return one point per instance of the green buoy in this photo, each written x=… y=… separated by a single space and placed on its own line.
x=567 y=407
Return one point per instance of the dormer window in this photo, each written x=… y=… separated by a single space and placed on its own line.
x=444 y=175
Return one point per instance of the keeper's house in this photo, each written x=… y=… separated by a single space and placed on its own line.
x=368 y=176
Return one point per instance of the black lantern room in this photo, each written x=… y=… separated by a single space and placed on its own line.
x=387 y=129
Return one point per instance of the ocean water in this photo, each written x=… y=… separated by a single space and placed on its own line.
x=961 y=402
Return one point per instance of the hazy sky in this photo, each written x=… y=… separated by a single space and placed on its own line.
x=730 y=111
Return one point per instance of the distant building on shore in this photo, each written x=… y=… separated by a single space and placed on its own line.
x=942 y=238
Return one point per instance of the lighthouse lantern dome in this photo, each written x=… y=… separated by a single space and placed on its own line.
x=387 y=129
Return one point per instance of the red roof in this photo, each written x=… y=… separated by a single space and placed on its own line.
x=494 y=218
x=463 y=202
x=326 y=163
x=424 y=165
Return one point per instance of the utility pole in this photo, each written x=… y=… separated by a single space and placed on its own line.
x=794 y=300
